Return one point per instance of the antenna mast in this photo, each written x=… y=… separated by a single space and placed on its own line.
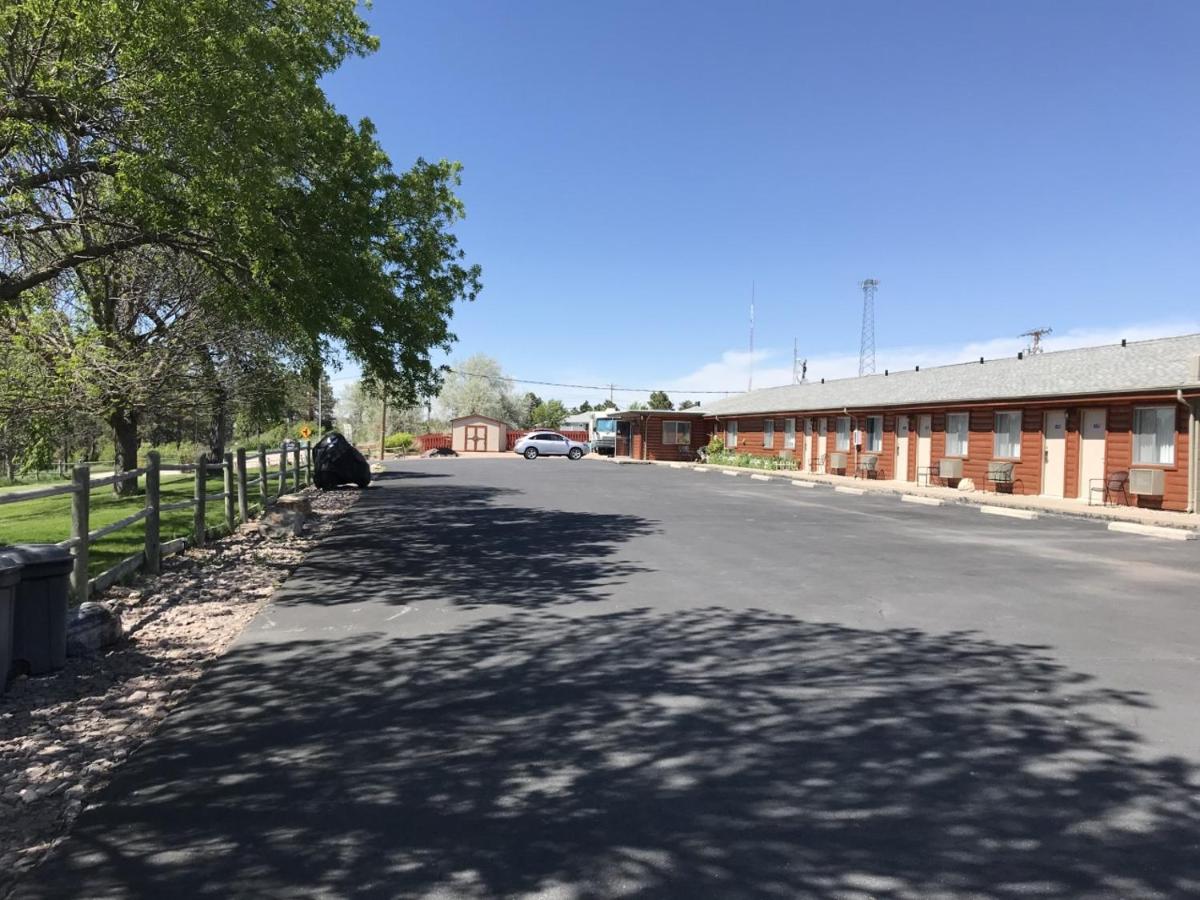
x=866 y=346
x=750 y=385
x=1035 y=336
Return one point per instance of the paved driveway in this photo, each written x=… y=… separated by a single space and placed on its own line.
x=580 y=680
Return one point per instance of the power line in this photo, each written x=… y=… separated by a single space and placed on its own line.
x=586 y=387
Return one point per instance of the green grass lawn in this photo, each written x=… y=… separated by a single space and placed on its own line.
x=48 y=520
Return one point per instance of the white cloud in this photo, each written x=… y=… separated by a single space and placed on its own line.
x=772 y=367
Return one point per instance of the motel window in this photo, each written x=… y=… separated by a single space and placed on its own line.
x=677 y=433
x=1154 y=435
x=731 y=435
x=789 y=434
x=874 y=434
x=843 y=433
x=956 y=434
x=1007 y=440
x=769 y=433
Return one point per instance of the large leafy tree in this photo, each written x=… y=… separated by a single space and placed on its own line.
x=141 y=138
x=660 y=400
x=477 y=385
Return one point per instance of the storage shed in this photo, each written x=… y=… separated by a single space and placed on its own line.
x=478 y=434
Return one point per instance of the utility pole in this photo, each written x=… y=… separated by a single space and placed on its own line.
x=866 y=345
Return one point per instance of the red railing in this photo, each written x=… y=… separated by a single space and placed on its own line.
x=514 y=436
x=434 y=441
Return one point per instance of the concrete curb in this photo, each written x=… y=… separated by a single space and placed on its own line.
x=700 y=469
x=1010 y=512
x=731 y=474
x=1155 y=531
x=762 y=477
x=858 y=492
x=923 y=501
x=804 y=484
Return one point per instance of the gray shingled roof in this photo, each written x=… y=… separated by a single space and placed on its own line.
x=1165 y=363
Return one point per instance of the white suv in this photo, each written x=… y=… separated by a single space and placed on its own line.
x=549 y=443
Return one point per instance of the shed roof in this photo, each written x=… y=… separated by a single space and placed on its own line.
x=478 y=416
x=1160 y=364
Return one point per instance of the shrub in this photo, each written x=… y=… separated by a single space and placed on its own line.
x=401 y=441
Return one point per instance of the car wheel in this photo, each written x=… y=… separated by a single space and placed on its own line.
x=531 y=452
x=575 y=453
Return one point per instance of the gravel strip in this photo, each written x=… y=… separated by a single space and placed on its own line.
x=63 y=735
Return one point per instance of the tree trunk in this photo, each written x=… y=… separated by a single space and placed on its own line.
x=124 y=424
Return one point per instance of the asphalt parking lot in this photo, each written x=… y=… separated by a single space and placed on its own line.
x=580 y=680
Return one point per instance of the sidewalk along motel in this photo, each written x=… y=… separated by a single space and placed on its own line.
x=1115 y=424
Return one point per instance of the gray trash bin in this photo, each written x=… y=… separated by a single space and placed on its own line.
x=40 y=610
x=10 y=574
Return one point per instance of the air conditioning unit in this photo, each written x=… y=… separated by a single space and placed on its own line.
x=1000 y=471
x=837 y=460
x=1146 y=482
x=950 y=468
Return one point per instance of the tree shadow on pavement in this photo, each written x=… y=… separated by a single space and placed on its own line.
x=466 y=546
x=704 y=753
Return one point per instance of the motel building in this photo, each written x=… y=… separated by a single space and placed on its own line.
x=1116 y=424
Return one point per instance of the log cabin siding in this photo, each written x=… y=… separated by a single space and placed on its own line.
x=1027 y=470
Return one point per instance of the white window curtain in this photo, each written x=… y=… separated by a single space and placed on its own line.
x=1007 y=444
x=956 y=434
x=769 y=433
x=731 y=435
x=874 y=434
x=789 y=434
x=843 y=433
x=1154 y=435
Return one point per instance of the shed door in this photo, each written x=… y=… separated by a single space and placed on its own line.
x=901 y=448
x=1091 y=449
x=477 y=438
x=1054 y=453
x=924 y=441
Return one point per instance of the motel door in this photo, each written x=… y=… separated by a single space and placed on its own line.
x=901 y=448
x=624 y=444
x=924 y=442
x=807 y=446
x=822 y=440
x=1054 y=453
x=1091 y=449
x=477 y=438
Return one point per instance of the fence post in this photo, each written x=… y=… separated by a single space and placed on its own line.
x=152 y=547
x=227 y=482
x=282 y=470
x=296 y=467
x=243 y=500
x=201 y=485
x=264 y=483
x=308 y=469
x=81 y=476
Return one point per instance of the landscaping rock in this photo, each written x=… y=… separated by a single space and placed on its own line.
x=966 y=484
x=299 y=502
x=90 y=628
x=281 y=524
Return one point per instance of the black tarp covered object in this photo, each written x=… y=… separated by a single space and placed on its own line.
x=336 y=461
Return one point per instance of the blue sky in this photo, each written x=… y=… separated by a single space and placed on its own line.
x=631 y=168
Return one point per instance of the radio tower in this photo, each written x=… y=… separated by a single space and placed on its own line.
x=866 y=347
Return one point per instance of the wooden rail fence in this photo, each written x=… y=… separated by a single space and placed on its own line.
x=235 y=494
